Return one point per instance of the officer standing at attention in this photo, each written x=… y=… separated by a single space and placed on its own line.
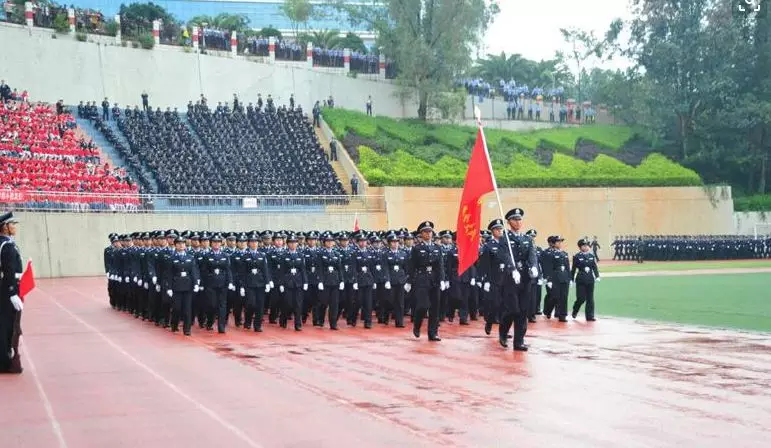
x=558 y=280
x=330 y=282
x=182 y=279
x=236 y=258
x=535 y=287
x=255 y=279
x=516 y=297
x=11 y=305
x=310 y=251
x=109 y=269
x=293 y=281
x=427 y=273
x=365 y=261
x=218 y=280
x=584 y=274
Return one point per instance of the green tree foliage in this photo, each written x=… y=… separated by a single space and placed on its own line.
x=137 y=18
x=548 y=73
x=430 y=40
x=299 y=12
x=224 y=21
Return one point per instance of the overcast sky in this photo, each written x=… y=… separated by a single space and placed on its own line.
x=532 y=28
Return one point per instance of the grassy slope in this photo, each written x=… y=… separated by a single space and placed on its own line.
x=733 y=301
x=687 y=265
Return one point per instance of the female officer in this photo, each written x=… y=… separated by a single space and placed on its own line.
x=331 y=282
x=558 y=280
x=396 y=262
x=182 y=279
x=255 y=279
x=293 y=280
x=584 y=273
x=217 y=279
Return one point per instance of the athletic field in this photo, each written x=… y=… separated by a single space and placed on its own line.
x=95 y=377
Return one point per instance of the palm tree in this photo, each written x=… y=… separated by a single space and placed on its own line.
x=326 y=39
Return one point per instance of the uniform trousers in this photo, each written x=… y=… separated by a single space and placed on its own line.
x=143 y=301
x=395 y=298
x=461 y=302
x=427 y=300
x=111 y=292
x=346 y=301
x=329 y=299
x=182 y=309
x=153 y=304
x=255 y=307
x=492 y=304
x=557 y=300
x=473 y=301
x=276 y=300
x=535 y=301
x=10 y=331
x=217 y=301
x=514 y=310
x=363 y=302
x=310 y=300
x=236 y=304
x=383 y=303
x=200 y=306
x=584 y=294
x=293 y=304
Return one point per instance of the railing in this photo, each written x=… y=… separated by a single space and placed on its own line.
x=168 y=203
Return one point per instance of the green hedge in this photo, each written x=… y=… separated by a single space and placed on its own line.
x=403 y=169
x=757 y=203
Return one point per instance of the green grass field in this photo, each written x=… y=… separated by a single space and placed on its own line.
x=686 y=265
x=740 y=301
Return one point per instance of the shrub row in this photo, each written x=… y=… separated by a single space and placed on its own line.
x=757 y=203
x=403 y=169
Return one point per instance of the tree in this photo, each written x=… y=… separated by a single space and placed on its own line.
x=430 y=40
x=137 y=18
x=299 y=12
x=326 y=39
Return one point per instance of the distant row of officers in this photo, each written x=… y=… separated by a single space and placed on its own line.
x=691 y=247
x=170 y=277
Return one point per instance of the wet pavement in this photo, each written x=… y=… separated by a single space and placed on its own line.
x=95 y=377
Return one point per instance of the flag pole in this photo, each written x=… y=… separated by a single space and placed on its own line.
x=478 y=116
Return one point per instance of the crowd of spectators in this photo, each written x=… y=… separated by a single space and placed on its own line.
x=365 y=63
x=43 y=164
x=328 y=58
x=265 y=150
x=289 y=51
x=257 y=46
x=214 y=39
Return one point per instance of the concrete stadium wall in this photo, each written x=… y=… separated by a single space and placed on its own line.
x=745 y=223
x=71 y=244
x=576 y=212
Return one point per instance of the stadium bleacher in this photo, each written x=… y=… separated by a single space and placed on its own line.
x=43 y=164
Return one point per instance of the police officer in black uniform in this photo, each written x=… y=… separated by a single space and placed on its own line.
x=255 y=280
x=218 y=280
x=427 y=275
x=584 y=273
x=396 y=260
x=493 y=269
x=557 y=280
x=330 y=282
x=11 y=305
x=535 y=286
x=293 y=282
x=181 y=281
x=515 y=301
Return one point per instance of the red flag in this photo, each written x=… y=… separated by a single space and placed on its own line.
x=356 y=223
x=479 y=181
x=27 y=282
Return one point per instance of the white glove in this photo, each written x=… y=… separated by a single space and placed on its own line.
x=231 y=287
x=597 y=279
x=169 y=292
x=441 y=286
x=109 y=277
x=242 y=291
x=147 y=286
x=157 y=288
x=342 y=286
x=200 y=287
x=479 y=285
x=139 y=283
x=18 y=305
x=331 y=269
x=533 y=272
x=126 y=279
x=305 y=287
x=548 y=285
x=540 y=282
x=407 y=287
x=119 y=279
x=271 y=284
x=473 y=282
x=586 y=269
x=516 y=276
x=195 y=288
x=572 y=283
x=355 y=286
x=321 y=286
x=387 y=285
x=374 y=286
x=155 y=280
x=281 y=288
x=267 y=288
x=135 y=279
x=486 y=287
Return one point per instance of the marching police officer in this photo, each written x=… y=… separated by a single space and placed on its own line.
x=254 y=282
x=516 y=298
x=181 y=281
x=535 y=287
x=330 y=282
x=584 y=274
x=218 y=280
x=557 y=274
x=396 y=260
x=11 y=305
x=492 y=266
x=427 y=274
x=293 y=282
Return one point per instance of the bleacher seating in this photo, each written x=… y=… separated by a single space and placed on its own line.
x=44 y=165
x=265 y=152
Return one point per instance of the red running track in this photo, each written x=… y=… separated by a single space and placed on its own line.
x=99 y=378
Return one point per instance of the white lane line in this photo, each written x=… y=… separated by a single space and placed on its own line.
x=55 y=426
x=200 y=406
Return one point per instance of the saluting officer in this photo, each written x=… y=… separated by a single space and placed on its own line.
x=182 y=279
x=11 y=305
x=330 y=282
x=293 y=281
x=584 y=274
x=427 y=274
x=557 y=280
x=255 y=282
x=218 y=280
x=396 y=260
x=515 y=302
